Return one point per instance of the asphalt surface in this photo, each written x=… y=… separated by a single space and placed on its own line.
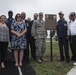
x=10 y=69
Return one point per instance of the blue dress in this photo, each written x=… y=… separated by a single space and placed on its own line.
x=18 y=43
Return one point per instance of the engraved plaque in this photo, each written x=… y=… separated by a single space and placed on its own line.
x=50 y=21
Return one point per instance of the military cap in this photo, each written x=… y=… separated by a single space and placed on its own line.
x=61 y=13
x=72 y=14
x=35 y=14
x=41 y=13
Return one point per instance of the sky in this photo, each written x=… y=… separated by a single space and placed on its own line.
x=36 y=6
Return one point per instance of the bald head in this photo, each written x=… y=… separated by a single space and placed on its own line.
x=23 y=15
x=29 y=19
x=10 y=14
x=35 y=16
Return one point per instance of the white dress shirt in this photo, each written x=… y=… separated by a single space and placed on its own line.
x=72 y=28
x=68 y=30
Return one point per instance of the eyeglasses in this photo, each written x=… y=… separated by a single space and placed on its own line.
x=18 y=16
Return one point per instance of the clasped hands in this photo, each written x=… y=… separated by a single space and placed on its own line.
x=19 y=35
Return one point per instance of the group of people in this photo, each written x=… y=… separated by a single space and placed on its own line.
x=66 y=32
x=21 y=33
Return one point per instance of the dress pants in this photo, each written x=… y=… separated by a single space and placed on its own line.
x=64 y=49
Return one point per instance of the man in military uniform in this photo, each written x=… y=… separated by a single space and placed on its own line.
x=62 y=38
x=39 y=33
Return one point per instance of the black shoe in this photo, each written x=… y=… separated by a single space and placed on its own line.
x=34 y=58
x=26 y=60
x=72 y=59
x=67 y=61
x=62 y=59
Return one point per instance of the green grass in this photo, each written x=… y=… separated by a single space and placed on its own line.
x=54 y=67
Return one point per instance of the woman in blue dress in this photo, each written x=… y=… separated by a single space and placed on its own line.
x=18 y=39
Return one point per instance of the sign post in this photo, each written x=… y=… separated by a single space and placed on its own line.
x=51 y=49
x=50 y=24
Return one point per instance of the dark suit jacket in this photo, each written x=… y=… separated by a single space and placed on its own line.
x=62 y=28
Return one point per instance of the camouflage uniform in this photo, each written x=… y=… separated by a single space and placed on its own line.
x=39 y=33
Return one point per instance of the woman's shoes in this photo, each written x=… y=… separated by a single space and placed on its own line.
x=2 y=65
x=16 y=65
x=20 y=64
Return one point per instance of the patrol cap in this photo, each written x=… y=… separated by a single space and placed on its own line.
x=61 y=13
x=41 y=13
x=72 y=14
x=35 y=14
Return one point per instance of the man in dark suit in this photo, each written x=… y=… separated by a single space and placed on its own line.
x=33 y=49
x=26 y=51
x=29 y=37
x=62 y=38
x=9 y=21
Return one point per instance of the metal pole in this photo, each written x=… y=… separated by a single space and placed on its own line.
x=51 y=52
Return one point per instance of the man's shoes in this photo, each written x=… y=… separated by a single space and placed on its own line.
x=43 y=59
x=39 y=60
x=67 y=61
x=62 y=59
x=26 y=61
x=72 y=59
x=34 y=58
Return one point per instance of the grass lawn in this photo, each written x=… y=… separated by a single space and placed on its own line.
x=54 y=67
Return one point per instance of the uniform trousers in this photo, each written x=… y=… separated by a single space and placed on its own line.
x=40 y=44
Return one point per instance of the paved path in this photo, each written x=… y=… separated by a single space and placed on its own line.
x=10 y=69
x=72 y=71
